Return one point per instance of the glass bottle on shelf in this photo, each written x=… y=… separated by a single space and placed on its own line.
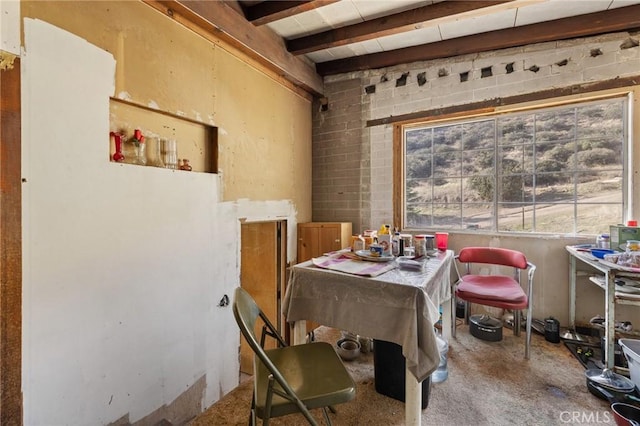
x=118 y=156
x=170 y=154
x=141 y=156
x=185 y=165
x=138 y=142
x=155 y=152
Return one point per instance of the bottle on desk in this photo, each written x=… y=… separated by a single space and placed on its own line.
x=603 y=241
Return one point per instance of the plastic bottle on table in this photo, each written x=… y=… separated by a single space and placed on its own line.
x=395 y=244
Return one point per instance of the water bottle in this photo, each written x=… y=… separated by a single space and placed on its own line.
x=395 y=244
x=442 y=372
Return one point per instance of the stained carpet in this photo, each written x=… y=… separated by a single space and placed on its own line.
x=489 y=383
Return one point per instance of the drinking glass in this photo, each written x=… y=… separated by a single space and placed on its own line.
x=442 y=240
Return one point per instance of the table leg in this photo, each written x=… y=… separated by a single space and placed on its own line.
x=413 y=400
x=299 y=332
x=610 y=320
x=447 y=319
x=572 y=292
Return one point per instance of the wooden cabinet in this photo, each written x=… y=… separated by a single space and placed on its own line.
x=316 y=238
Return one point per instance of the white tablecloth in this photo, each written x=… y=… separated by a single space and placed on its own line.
x=398 y=306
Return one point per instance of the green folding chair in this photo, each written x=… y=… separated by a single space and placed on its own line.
x=290 y=379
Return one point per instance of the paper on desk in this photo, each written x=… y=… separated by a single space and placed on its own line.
x=344 y=262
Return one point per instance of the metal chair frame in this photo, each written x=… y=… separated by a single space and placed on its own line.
x=499 y=257
x=247 y=313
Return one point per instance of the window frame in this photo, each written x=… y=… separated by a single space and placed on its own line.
x=472 y=114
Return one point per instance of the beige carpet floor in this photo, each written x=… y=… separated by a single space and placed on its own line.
x=489 y=383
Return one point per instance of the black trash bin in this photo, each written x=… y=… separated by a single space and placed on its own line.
x=389 y=369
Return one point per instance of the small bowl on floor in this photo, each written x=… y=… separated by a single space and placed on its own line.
x=348 y=349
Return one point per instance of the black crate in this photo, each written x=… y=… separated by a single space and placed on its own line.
x=389 y=369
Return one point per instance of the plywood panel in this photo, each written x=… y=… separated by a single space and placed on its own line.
x=264 y=128
x=11 y=248
x=258 y=275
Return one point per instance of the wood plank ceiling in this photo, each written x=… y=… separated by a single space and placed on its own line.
x=303 y=41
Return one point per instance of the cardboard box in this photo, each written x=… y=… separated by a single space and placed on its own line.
x=620 y=234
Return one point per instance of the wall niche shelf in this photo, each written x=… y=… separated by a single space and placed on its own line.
x=195 y=141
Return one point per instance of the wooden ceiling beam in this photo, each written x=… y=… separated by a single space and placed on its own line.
x=387 y=25
x=270 y=11
x=620 y=19
x=259 y=43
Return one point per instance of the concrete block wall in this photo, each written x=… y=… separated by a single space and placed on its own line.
x=352 y=165
x=341 y=156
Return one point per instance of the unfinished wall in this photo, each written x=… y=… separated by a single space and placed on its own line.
x=427 y=86
x=125 y=266
x=341 y=153
x=263 y=128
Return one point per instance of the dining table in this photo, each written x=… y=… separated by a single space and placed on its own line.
x=394 y=300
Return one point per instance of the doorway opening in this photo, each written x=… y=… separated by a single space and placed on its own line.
x=263 y=263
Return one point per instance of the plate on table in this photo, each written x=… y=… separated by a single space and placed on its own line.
x=366 y=255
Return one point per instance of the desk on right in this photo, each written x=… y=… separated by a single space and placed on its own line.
x=582 y=260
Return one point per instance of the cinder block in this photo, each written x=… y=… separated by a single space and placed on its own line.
x=561 y=80
x=571 y=67
x=404 y=108
x=458 y=67
x=445 y=81
x=624 y=55
x=420 y=104
x=478 y=82
x=627 y=68
x=486 y=61
x=355 y=124
x=457 y=98
x=382 y=112
x=382 y=95
x=421 y=94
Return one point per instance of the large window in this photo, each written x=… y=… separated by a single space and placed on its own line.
x=552 y=170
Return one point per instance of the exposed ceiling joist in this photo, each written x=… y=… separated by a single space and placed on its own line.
x=269 y=11
x=386 y=25
x=259 y=43
x=621 y=19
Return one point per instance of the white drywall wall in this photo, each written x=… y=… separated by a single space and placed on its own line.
x=124 y=265
x=10 y=26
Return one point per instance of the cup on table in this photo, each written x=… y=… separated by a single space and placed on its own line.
x=442 y=240
x=410 y=251
x=376 y=249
